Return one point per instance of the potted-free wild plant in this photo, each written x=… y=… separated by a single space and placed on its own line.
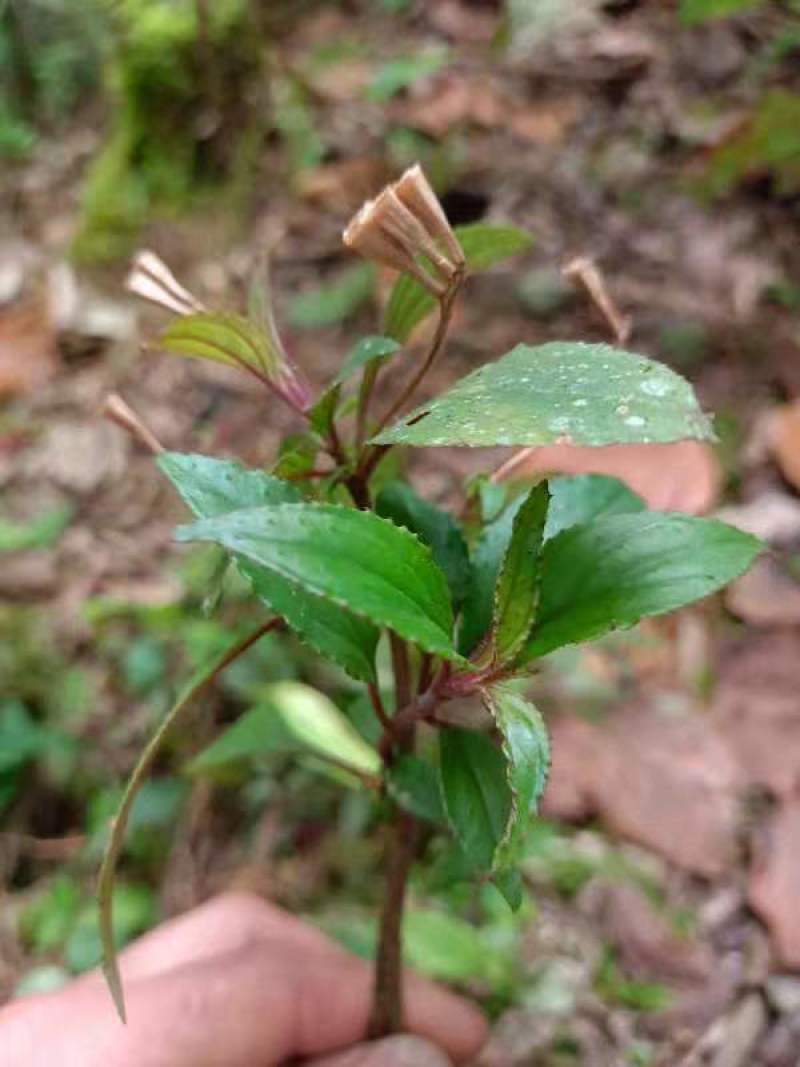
x=341 y=550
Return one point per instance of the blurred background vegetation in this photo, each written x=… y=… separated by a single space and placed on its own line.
x=661 y=137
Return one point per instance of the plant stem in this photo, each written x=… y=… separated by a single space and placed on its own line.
x=105 y=882
x=387 y=1006
x=402 y=671
x=372 y=456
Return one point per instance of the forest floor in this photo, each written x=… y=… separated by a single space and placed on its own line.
x=664 y=925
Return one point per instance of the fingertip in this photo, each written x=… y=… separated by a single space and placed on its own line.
x=450 y=1021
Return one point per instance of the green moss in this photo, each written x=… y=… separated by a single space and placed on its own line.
x=178 y=118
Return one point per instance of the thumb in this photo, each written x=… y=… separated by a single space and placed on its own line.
x=402 y=1051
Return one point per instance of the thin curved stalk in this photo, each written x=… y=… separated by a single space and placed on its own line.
x=105 y=882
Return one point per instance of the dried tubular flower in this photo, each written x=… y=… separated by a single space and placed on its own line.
x=151 y=279
x=415 y=191
x=404 y=228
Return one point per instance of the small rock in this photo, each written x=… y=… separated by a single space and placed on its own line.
x=743 y=1028
x=783 y=993
x=774 y=880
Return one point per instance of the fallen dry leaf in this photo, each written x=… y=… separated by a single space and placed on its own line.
x=28 y=351
x=684 y=476
x=756 y=710
x=453 y=100
x=785 y=441
x=775 y=878
x=667 y=782
x=343 y=186
x=773 y=516
x=648 y=944
x=765 y=596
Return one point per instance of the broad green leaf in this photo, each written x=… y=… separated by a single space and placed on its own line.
x=444 y=947
x=368 y=350
x=611 y=573
x=333 y=303
x=487 y=557
x=215 y=486
x=212 y=487
x=585 y=497
x=317 y=723
x=258 y=732
x=475 y=793
x=223 y=338
x=585 y=394
x=413 y=784
x=517 y=588
x=484 y=245
x=353 y=558
x=436 y=529
x=527 y=750
x=693 y=12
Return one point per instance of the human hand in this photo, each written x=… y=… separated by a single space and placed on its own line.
x=235 y=983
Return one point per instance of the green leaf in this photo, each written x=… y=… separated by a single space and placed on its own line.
x=368 y=350
x=584 y=498
x=475 y=791
x=401 y=72
x=484 y=245
x=258 y=732
x=586 y=394
x=317 y=723
x=693 y=12
x=216 y=486
x=444 y=947
x=487 y=557
x=517 y=588
x=40 y=532
x=509 y=884
x=436 y=529
x=322 y=414
x=213 y=487
x=353 y=558
x=332 y=304
x=527 y=750
x=611 y=573
x=413 y=784
x=223 y=338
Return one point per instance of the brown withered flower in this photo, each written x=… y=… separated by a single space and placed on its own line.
x=405 y=228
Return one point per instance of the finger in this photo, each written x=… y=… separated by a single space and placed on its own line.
x=402 y=1051
x=227 y=923
x=252 y=1008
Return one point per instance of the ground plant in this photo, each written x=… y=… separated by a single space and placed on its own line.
x=440 y=617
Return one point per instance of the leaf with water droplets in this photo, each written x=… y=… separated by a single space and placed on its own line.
x=591 y=394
